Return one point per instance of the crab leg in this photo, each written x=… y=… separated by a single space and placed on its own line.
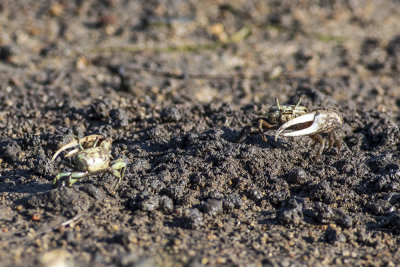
x=323 y=121
x=68 y=178
x=89 y=138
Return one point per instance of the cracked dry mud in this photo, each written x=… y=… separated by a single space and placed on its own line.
x=173 y=83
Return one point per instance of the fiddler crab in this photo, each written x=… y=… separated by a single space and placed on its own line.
x=297 y=118
x=92 y=156
x=276 y=116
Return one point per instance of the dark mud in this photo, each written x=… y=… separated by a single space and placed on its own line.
x=173 y=83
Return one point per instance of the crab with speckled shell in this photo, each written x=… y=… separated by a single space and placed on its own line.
x=300 y=121
x=275 y=117
x=91 y=157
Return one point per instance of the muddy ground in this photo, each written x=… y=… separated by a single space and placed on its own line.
x=173 y=83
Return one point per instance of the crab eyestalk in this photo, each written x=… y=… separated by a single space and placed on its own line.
x=277 y=103
x=280 y=107
x=298 y=104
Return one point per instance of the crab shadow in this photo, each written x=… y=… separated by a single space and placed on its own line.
x=232 y=136
x=270 y=144
x=14 y=183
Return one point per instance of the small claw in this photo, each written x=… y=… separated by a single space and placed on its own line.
x=89 y=138
x=72 y=152
x=323 y=121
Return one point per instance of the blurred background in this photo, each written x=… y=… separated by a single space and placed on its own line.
x=241 y=52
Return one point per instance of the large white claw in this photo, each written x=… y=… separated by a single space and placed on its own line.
x=323 y=121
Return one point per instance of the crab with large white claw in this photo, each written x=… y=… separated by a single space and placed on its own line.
x=276 y=116
x=312 y=124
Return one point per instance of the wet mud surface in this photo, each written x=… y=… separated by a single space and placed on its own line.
x=173 y=83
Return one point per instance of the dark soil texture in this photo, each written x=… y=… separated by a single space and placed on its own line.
x=173 y=83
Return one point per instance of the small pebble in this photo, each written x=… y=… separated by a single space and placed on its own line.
x=170 y=114
x=35 y=217
x=213 y=207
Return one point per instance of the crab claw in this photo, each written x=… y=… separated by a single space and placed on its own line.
x=322 y=121
x=89 y=138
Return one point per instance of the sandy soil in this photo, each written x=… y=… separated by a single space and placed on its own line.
x=173 y=83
